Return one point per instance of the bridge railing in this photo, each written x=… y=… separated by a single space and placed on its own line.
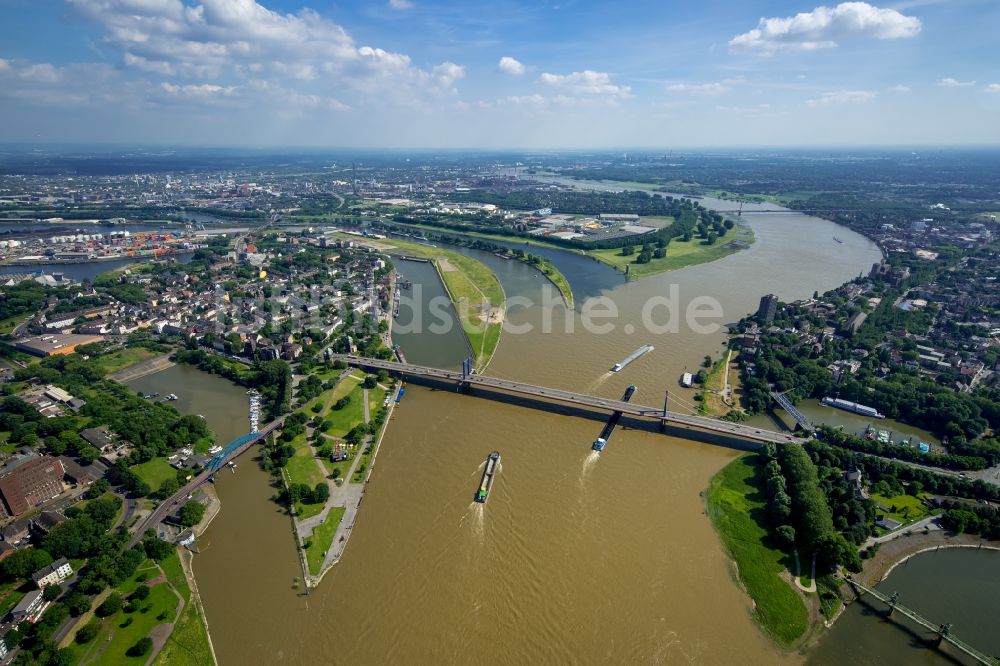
x=216 y=462
x=787 y=405
x=978 y=655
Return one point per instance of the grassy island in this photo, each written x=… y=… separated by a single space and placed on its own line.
x=474 y=290
x=680 y=254
x=736 y=508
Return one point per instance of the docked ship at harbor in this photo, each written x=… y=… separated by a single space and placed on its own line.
x=645 y=349
x=492 y=462
x=855 y=407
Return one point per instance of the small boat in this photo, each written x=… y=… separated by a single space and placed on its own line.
x=837 y=239
x=687 y=379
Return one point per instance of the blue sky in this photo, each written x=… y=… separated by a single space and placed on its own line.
x=509 y=73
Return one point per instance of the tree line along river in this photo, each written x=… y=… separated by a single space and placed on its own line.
x=575 y=558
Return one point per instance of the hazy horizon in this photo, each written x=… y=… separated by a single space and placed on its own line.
x=437 y=74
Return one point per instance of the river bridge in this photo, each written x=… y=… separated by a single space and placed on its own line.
x=787 y=405
x=466 y=379
x=943 y=631
x=230 y=452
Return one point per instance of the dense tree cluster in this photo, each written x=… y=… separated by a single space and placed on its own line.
x=799 y=510
x=983 y=520
x=300 y=492
x=895 y=474
x=846 y=440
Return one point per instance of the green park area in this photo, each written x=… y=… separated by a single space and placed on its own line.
x=154 y=472
x=737 y=509
x=188 y=643
x=7 y=325
x=339 y=412
x=903 y=509
x=339 y=422
x=679 y=253
x=304 y=468
x=122 y=358
x=321 y=539
x=126 y=616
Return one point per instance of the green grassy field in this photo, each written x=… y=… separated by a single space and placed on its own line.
x=547 y=268
x=737 y=510
x=679 y=254
x=322 y=538
x=342 y=420
x=479 y=300
x=901 y=508
x=303 y=468
x=154 y=472
x=7 y=325
x=188 y=643
x=123 y=358
x=113 y=639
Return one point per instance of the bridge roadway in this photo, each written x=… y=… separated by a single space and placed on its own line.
x=701 y=423
x=946 y=636
x=171 y=503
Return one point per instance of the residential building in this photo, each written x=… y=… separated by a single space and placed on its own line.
x=52 y=574
x=30 y=608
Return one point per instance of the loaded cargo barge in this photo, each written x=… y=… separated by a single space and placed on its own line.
x=645 y=349
x=612 y=423
x=492 y=461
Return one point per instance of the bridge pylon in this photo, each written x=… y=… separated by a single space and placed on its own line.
x=464 y=386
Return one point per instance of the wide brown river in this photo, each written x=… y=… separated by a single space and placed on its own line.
x=576 y=558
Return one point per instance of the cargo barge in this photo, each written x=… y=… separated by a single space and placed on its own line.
x=645 y=349
x=612 y=423
x=492 y=461
x=855 y=407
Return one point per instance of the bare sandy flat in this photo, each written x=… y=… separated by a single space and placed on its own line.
x=445 y=265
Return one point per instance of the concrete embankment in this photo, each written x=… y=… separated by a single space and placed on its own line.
x=142 y=368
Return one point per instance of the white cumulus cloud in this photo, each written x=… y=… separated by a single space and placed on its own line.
x=824 y=27
x=955 y=83
x=401 y=4
x=225 y=42
x=899 y=89
x=842 y=97
x=509 y=65
x=587 y=82
x=993 y=88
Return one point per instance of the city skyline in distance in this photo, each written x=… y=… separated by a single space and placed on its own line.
x=425 y=74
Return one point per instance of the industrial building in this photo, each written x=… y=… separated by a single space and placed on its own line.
x=53 y=344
